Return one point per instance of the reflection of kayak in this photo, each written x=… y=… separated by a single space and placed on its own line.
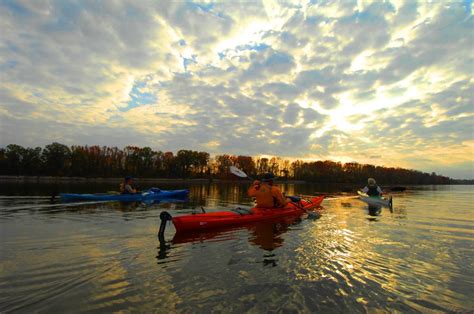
x=242 y=216
x=150 y=195
x=375 y=200
x=264 y=234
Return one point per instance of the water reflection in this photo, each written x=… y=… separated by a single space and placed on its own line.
x=374 y=212
x=163 y=248
x=267 y=236
x=106 y=257
x=270 y=260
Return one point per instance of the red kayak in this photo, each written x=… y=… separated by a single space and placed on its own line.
x=241 y=216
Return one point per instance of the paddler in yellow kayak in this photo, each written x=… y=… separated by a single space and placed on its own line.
x=372 y=189
x=266 y=194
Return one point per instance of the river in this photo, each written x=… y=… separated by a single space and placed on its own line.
x=419 y=256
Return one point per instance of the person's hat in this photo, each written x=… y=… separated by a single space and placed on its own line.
x=268 y=177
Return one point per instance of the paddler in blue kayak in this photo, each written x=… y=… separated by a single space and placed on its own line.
x=266 y=194
x=372 y=189
x=126 y=187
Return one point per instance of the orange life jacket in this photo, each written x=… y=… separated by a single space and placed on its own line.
x=262 y=193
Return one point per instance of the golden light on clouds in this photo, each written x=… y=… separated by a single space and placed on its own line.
x=331 y=79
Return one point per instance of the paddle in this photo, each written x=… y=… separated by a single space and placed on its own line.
x=238 y=172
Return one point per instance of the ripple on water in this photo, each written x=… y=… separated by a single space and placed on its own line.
x=42 y=284
x=106 y=257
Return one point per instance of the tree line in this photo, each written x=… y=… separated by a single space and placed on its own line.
x=95 y=161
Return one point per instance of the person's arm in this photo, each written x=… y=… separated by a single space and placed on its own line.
x=365 y=189
x=130 y=190
x=252 y=191
x=379 y=190
x=276 y=193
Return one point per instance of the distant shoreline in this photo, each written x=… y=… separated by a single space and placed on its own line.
x=51 y=179
x=47 y=179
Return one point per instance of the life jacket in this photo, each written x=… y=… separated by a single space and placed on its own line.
x=373 y=190
x=123 y=188
x=262 y=193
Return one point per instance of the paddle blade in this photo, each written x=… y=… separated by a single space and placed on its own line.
x=237 y=172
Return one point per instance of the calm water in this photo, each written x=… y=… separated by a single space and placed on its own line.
x=107 y=257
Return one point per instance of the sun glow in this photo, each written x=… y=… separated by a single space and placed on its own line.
x=250 y=33
x=361 y=61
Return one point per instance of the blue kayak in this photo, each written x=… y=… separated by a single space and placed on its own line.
x=150 y=195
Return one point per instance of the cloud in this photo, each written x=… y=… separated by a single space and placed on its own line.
x=340 y=80
x=281 y=91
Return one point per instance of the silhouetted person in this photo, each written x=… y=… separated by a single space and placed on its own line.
x=126 y=187
x=372 y=189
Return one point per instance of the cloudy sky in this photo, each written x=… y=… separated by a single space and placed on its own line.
x=388 y=83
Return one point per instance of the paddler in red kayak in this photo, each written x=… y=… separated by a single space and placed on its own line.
x=126 y=187
x=372 y=189
x=266 y=194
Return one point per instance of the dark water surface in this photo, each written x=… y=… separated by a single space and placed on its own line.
x=107 y=257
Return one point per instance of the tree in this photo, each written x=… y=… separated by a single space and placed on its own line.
x=56 y=158
x=169 y=164
x=60 y=160
x=145 y=161
x=262 y=165
x=31 y=162
x=223 y=162
x=285 y=170
x=14 y=156
x=274 y=165
x=201 y=162
x=247 y=164
x=3 y=161
x=184 y=160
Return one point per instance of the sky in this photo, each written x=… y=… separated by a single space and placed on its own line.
x=387 y=82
